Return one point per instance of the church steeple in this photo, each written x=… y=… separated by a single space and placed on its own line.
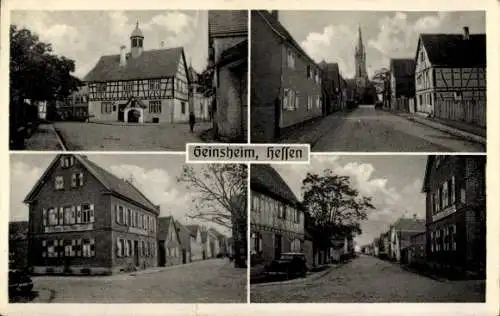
x=136 y=41
x=360 y=61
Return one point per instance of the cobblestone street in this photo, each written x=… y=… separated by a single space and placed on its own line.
x=368 y=279
x=118 y=137
x=208 y=281
x=367 y=129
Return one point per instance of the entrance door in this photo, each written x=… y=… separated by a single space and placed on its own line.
x=136 y=253
x=120 y=113
x=133 y=116
x=277 y=246
x=184 y=257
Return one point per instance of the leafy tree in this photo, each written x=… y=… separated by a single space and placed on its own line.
x=35 y=72
x=220 y=196
x=382 y=79
x=333 y=207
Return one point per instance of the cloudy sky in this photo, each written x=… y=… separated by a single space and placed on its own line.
x=332 y=35
x=394 y=182
x=154 y=175
x=84 y=36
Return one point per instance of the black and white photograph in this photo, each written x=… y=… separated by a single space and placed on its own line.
x=369 y=229
x=127 y=80
x=369 y=81
x=126 y=229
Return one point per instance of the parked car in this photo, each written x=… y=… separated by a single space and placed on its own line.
x=19 y=282
x=289 y=264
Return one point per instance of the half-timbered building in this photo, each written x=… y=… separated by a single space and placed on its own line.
x=450 y=76
x=85 y=220
x=140 y=86
x=277 y=222
x=455 y=189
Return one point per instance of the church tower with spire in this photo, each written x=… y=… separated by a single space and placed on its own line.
x=360 y=62
x=136 y=41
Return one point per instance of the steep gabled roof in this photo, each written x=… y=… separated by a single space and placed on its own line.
x=278 y=28
x=164 y=224
x=184 y=235
x=403 y=67
x=452 y=50
x=225 y=23
x=409 y=225
x=265 y=177
x=428 y=168
x=158 y=63
x=117 y=186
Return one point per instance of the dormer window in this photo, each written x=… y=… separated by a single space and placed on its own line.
x=67 y=161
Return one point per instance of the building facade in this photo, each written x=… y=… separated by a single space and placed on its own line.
x=277 y=223
x=196 y=242
x=76 y=107
x=333 y=90
x=85 y=220
x=402 y=85
x=285 y=81
x=400 y=234
x=228 y=55
x=139 y=86
x=450 y=76
x=199 y=103
x=455 y=191
x=169 y=242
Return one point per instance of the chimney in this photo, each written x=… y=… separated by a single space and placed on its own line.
x=274 y=13
x=123 y=56
x=466 y=33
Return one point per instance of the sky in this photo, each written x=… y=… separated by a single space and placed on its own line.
x=394 y=183
x=332 y=35
x=85 y=36
x=156 y=177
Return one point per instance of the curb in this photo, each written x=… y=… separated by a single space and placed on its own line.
x=449 y=130
x=59 y=138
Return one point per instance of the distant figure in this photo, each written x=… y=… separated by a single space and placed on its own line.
x=192 y=121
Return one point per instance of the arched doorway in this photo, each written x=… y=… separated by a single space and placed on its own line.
x=133 y=116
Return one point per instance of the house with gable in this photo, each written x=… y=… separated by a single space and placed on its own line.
x=185 y=241
x=402 y=83
x=85 y=220
x=196 y=241
x=332 y=87
x=169 y=242
x=400 y=235
x=139 y=86
x=219 y=242
x=450 y=77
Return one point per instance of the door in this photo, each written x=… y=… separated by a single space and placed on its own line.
x=277 y=246
x=184 y=257
x=120 y=113
x=136 y=253
x=133 y=116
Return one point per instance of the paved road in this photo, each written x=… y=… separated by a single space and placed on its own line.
x=208 y=281
x=368 y=279
x=367 y=129
x=128 y=137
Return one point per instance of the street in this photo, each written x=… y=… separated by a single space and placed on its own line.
x=115 y=137
x=368 y=279
x=207 y=281
x=367 y=129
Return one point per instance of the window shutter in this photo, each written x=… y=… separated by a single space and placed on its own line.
x=92 y=247
x=44 y=216
x=91 y=213
x=73 y=180
x=80 y=175
x=118 y=247
x=78 y=213
x=60 y=217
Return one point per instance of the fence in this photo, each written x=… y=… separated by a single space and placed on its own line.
x=468 y=111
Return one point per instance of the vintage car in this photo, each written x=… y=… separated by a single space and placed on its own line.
x=19 y=282
x=289 y=264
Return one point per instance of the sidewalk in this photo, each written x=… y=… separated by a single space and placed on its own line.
x=45 y=138
x=459 y=129
x=310 y=132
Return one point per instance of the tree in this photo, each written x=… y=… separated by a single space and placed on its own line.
x=220 y=196
x=35 y=72
x=333 y=207
x=382 y=80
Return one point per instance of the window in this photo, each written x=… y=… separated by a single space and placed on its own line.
x=255 y=203
x=458 y=95
x=154 y=84
x=101 y=87
x=140 y=221
x=129 y=247
x=444 y=194
x=309 y=72
x=143 y=252
x=291 y=59
x=60 y=216
x=183 y=107
x=67 y=161
x=136 y=218
x=87 y=213
x=119 y=247
x=59 y=183
x=318 y=102
x=53 y=216
x=452 y=193
x=128 y=87
x=69 y=215
x=106 y=107
x=432 y=241
x=317 y=77
x=295 y=245
x=129 y=217
x=453 y=239
x=51 y=248
x=154 y=106
x=309 y=102
x=77 y=180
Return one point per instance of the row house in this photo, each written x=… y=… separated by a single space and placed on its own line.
x=277 y=222
x=402 y=85
x=450 y=77
x=139 y=86
x=285 y=81
x=171 y=249
x=332 y=87
x=85 y=220
x=228 y=57
x=455 y=191
x=400 y=236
